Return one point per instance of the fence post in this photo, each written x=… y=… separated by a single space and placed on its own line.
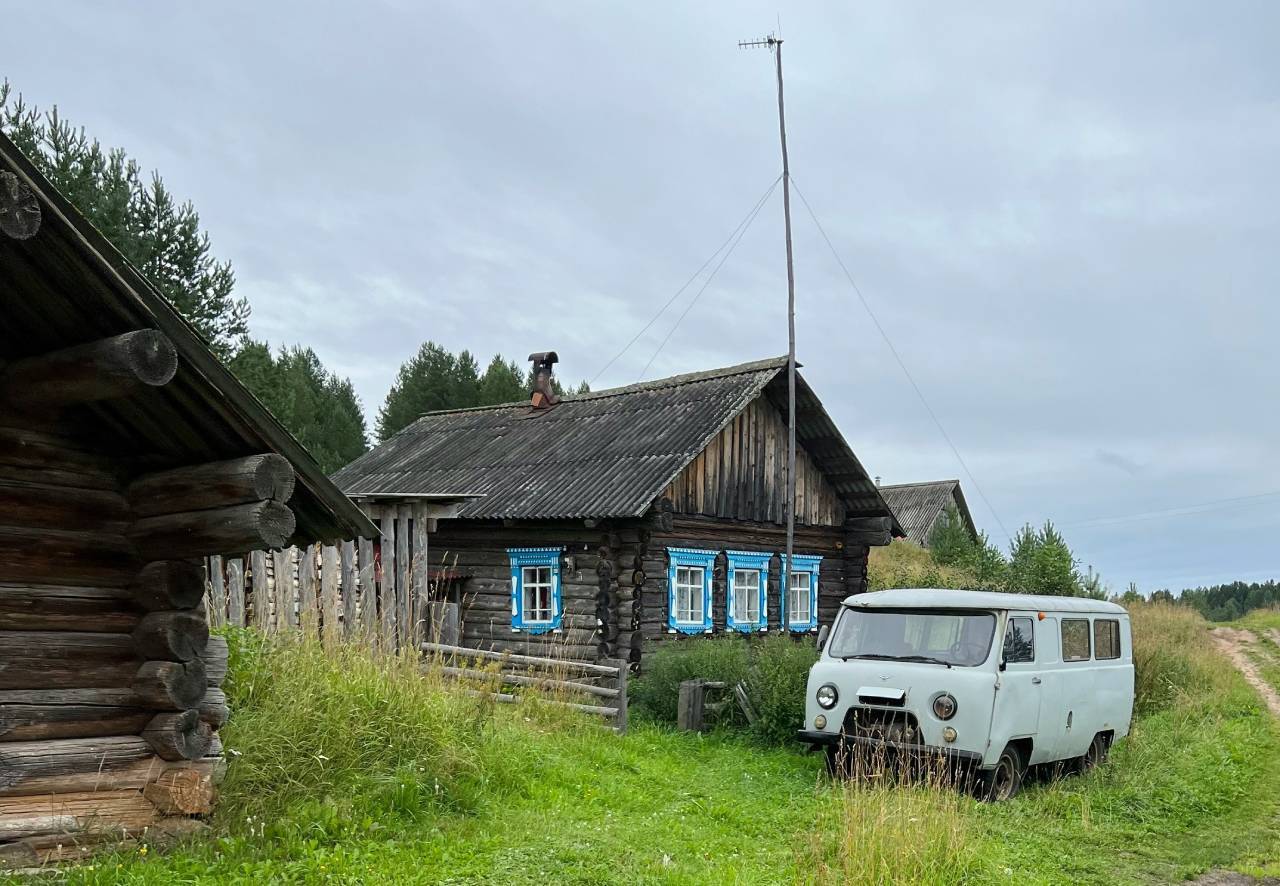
x=689 y=713
x=368 y=581
x=620 y=721
x=329 y=578
x=235 y=592
x=261 y=593
x=216 y=606
x=348 y=589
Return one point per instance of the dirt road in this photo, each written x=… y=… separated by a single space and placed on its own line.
x=1234 y=642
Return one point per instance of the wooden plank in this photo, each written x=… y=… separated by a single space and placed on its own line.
x=404 y=595
x=503 y=698
x=348 y=587
x=284 y=591
x=366 y=577
x=308 y=590
x=531 y=660
x=330 y=605
x=387 y=584
x=216 y=603
x=420 y=586
x=620 y=689
x=262 y=605
x=520 y=680
x=235 y=592
x=29 y=607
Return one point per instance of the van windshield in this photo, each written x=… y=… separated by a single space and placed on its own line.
x=948 y=637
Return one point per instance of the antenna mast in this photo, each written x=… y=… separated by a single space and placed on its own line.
x=774 y=44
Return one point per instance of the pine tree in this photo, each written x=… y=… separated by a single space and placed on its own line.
x=161 y=237
x=426 y=382
x=950 y=541
x=317 y=407
x=501 y=383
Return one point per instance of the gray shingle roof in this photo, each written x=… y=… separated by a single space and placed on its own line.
x=603 y=454
x=917 y=506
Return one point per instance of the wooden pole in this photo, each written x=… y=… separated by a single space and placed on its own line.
x=791 y=337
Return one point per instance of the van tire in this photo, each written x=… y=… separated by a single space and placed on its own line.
x=1096 y=754
x=1004 y=780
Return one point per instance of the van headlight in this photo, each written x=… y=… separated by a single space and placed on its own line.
x=827 y=696
x=944 y=706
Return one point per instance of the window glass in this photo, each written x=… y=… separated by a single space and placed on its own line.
x=1106 y=638
x=746 y=596
x=798 y=600
x=942 y=637
x=536 y=585
x=1075 y=639
x=1019 y=640
x=689 y=583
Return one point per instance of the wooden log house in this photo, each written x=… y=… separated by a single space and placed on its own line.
x=127 y=452
x=602 y=522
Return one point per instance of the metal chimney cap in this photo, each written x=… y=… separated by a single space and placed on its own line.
x=545 y=357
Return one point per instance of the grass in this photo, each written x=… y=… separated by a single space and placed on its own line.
x=357 y=770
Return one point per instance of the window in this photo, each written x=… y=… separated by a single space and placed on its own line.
x=1106 y=638
x=940 y=637
x=748 y=579
x=689 y=590
x=1075 y=639
x=800 y=603
x=1020 y=640
x=535 y=589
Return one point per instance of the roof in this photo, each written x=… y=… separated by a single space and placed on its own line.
x=941 y=598
x=918 y=505
x=602 y=454
x=67 y=285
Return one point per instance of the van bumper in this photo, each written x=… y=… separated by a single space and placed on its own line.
x=817 y=739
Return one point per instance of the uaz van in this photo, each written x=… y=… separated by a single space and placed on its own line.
x=994 y=683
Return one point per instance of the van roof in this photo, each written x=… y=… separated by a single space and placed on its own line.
x=941 y=598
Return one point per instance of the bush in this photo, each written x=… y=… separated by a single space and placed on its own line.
x=774 y=669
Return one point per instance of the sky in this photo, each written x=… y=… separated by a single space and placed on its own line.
x=1063 y=216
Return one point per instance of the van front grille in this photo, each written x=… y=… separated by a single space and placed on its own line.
x=883 y=702
x=896 y=726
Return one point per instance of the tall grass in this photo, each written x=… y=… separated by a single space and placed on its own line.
x=350 y=728
x=905 y=564
x=1173 y=658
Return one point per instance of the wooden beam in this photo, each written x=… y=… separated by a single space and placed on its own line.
x=23 y=762
x=169 y=584
x=171 y=685
x=102 y=370
x=267 y=477
x=25 y=607
x=870 y=524
x=232 y=530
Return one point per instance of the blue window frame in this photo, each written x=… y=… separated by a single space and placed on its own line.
x=535 y=589
x=748 y=583
x=800 y=600
x=689 y=573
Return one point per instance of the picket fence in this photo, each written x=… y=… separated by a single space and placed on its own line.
x=338 y=592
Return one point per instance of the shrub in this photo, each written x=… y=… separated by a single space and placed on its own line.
x=774 y=669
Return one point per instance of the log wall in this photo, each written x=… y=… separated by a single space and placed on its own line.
x=99 y=652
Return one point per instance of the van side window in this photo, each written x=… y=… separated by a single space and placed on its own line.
x=1106 y=638
x=1075 y=639
x=1019 y=640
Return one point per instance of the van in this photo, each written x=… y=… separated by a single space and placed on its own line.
x=992 y=683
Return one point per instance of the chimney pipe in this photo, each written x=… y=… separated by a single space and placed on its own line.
x=543 y=394
x=877 y=481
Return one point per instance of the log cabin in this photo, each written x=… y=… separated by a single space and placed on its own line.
x=920 y=506
x=596 y=524
x=127 y=452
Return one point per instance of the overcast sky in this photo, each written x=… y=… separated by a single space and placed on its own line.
x=1064 y=216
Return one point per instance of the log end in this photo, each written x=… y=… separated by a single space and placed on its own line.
x=151 y=356
x=178 y=736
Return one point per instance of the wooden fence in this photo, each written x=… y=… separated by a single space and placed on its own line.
x=560 y=678
x=351 y=590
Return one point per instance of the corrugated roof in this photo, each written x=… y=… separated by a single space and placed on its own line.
x=68 y=285
x=917 y=506
x=602 y=454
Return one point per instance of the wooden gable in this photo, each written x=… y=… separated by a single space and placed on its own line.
x=741 y=475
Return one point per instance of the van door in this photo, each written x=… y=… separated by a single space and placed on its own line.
x=1019 y=688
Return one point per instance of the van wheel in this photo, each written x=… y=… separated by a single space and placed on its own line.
x=1096 y=754
x=1005 y=780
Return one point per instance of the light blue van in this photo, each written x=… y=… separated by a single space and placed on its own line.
x=995 y=683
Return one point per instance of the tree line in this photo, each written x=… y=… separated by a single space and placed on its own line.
x=1225 y=602
x=161 y=236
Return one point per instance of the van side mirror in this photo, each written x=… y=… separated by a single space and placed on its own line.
x=822 y=636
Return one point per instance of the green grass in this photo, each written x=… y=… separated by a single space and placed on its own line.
x=419 y=784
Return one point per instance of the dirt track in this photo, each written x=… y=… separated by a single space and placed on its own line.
x=1233 y=642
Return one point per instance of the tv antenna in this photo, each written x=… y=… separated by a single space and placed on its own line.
x=774 y=45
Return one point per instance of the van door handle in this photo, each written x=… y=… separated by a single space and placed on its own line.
x=1035 y=680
